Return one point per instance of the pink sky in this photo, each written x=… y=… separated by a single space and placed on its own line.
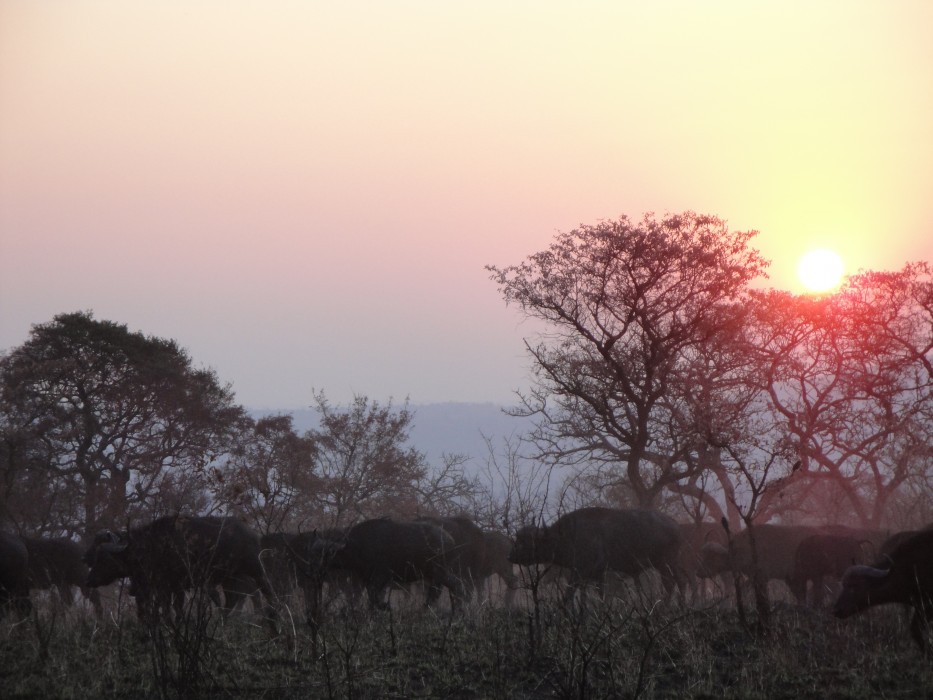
x=305 y=194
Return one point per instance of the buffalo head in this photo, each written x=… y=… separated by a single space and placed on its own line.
x=312 y=554
x=321 y=553
x=858 y=585
x=106 y=562
x=532 y=545
x=714 y=560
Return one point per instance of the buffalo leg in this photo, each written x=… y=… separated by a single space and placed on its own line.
x=432 y=594
x=919 y=625
x=233 y=596
x=674 y=578
x=258 y=574
x=572 y=586
x=459 y=593
x=512 y=584
x=818 y=592
x=66 y=594
x=17 y=601
x=93 y=595
x=377 y=597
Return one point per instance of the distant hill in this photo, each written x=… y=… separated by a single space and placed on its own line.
x=441 y=428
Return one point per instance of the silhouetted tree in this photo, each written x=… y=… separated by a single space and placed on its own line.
x=118 y=423
x=849 y=379
x=269 y=479
x=626 y=305
x=363 y=460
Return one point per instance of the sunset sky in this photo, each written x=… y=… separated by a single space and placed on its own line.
x=304 y=194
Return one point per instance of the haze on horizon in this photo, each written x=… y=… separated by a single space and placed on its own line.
x=304 y=195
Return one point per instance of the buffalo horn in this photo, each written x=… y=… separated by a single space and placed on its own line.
x=866 y=571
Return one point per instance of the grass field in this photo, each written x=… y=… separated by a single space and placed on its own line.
x=615 y=649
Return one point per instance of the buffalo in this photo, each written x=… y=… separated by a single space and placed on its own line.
x=776 y=547
x=590 y=542
x=467 y=556
x=286 y=557
x=890 y=543
x=379 y=552
x=819 y=556
x=894 y=541
x=694 y=536
x=496 y=562
x=14 y=575
x=276 y=548
x=903 y=576
x=173 y=554
x=58 y=563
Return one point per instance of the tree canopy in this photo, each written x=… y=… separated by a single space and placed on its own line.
x=663 y=373
x=628 y=304
x=119 y=421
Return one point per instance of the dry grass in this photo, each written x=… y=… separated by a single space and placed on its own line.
x=615 y=649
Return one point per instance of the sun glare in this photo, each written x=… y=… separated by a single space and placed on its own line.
x=820 y=270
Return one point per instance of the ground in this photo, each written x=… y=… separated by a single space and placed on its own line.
x=618 y=648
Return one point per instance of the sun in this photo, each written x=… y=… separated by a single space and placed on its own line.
x=820 y=270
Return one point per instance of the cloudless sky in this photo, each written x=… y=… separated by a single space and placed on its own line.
x=304 y=194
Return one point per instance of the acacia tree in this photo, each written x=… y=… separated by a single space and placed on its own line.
x=120 y=422
x=713 y=404
x=625 y=303
x=849 y=379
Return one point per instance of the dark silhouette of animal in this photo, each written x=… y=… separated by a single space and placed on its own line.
x=694 y=536
x=893 y=541
x=820 y=556
x=14 y=575
x=890 y=543
x=58 y=563
x=496 y=562
x=286 y=558
x=869 y=537
x=466 y=558
x=173 y=554
x=904 y=576
x=275 y=549
x=278 y=569
x=776 y=547
x=379 y=552
x=593 y=541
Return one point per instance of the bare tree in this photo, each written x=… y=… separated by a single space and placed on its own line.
x=516 y=489
x=363 y=460
x=848 y=378
x=625 y=305
x=447 y=489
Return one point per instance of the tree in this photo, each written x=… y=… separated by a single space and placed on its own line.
x=849 y=379
x=355 y=464
x=120 y=421
x=28 y=500
x=626 y=304
x=270 y=479
x=361 y=457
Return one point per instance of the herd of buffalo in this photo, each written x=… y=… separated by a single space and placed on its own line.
x=223 y=558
